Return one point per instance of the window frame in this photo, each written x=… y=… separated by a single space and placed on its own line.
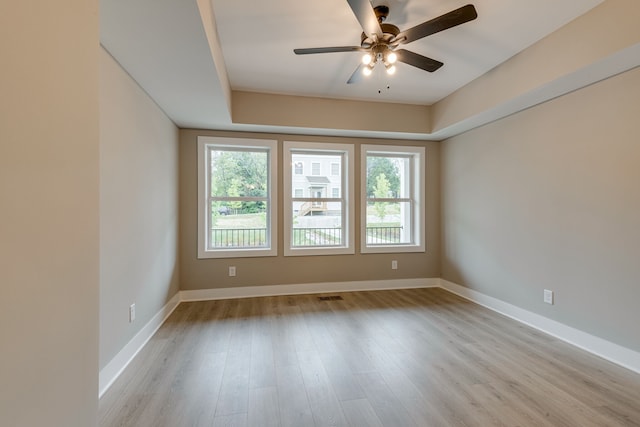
x=416 y=197
x=204 y=194
x=346 y=197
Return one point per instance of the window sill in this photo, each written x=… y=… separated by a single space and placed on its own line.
x=318 y=251
x=391 y=249
x=236 y=253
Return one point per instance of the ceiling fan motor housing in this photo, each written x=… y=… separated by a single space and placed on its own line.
x=389 y=33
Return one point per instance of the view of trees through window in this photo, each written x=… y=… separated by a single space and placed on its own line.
x=388 y=206
x=239 y=198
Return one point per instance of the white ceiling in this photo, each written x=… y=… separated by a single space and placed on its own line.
x=164 y=47
x=258 y=39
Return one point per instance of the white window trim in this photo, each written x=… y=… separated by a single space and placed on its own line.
x=347 y=196
x=417 y=189
x=203 y=192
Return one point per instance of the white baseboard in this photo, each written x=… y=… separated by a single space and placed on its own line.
x=605 y=349
x=306 y=288
x=114 y=368
x=117 y=365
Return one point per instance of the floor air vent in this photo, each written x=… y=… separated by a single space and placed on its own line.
x=331 y=298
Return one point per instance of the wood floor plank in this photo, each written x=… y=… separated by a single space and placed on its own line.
x=234 y=390
x=386 y=405
x=323 y=402
x=422 y=409
x=263 y=407
x=237 y=420
x=292 y=397
x=418 y=357
x=359 y=412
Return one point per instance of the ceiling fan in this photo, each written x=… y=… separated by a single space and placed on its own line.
x=380 y=40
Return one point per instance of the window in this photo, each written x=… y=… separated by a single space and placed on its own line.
x=237 y=197
x=298 y=192
x=298 y=168
x=335 y=168
x=392 y=199
x=321 y=221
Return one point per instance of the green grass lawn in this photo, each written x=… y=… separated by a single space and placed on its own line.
x=257 y=220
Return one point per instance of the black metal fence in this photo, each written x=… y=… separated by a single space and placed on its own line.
x=384 y=235
x=238 y=237
x=257 y=237
x=317 y=237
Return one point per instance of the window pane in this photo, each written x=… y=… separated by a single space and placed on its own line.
x=238 y=225
x=389 y=223
x=317 y=224
x=239 y=173
x=316 y=185
x=318 y=220
x=388 y=176
x=392 y=207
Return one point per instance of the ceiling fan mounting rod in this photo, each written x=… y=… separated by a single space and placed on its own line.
x=381 y=12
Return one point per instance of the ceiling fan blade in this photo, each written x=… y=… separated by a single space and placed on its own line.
x=366 y=16
x=356 y=76
x=417 y=60
x=328 y=50
x=443 y=22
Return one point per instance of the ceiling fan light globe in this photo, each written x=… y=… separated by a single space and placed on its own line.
x=367 y=58
x=391 y=69
x=392 y=58
x=367 y=71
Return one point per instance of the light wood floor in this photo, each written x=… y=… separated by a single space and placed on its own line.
x=419 y=357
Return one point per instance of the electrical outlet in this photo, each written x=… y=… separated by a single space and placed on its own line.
x=394 y=265
x=232 y=271
x=132 y=313
x=548 y=296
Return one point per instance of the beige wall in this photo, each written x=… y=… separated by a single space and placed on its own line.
x=585 y=49
x=49 y=213
x=138 y=208
x=548 y=198
x=212 y=273
x=600 y=33
x=325 y=113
